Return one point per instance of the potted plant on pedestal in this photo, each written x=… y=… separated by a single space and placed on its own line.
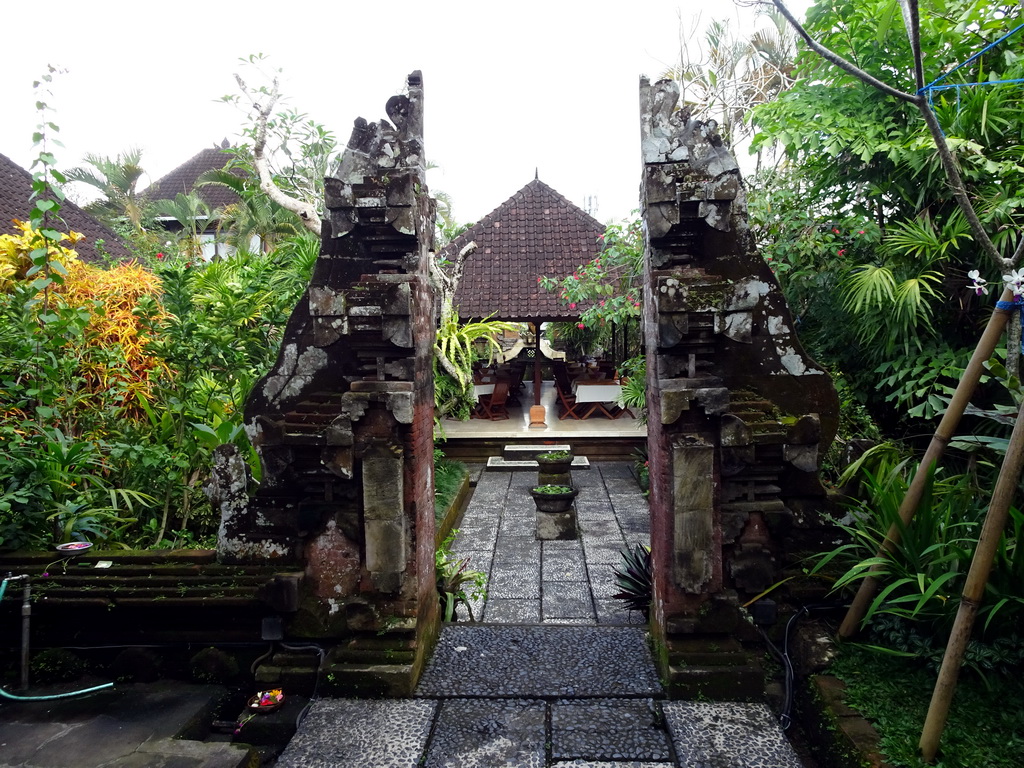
x=553 y=498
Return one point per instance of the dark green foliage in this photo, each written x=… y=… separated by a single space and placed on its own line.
x=456 y=583
x=923 y=577
x=635 y=579
x=212 y=665
x=861 y=226
x=55 y=665
x=448 y=478
x=1002 y=657
x=984 y=729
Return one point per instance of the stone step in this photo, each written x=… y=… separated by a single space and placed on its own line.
x=500 y=463
x=529 y=452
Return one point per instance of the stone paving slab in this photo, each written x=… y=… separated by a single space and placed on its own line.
x=566 y=600
x=358 y=733
x=512 y=610
x=608 y=729
x=738 y=735
x=602 y=764
x=471 y=733
x=487 y=660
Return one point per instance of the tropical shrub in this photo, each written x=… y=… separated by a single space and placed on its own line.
x=457 y=584
x=922 y=578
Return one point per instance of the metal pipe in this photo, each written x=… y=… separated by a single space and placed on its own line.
x=24 y=649
x=26 y=618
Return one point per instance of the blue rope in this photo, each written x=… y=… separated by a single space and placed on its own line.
x=966 y=85
x=982 y=52
x=1017 y=305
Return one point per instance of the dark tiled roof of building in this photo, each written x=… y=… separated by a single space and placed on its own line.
x=182 y=179
x=534 y=233
x=15 y=191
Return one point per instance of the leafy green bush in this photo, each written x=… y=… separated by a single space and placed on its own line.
x=456 y=582
x=922 y=578
x=448 y=478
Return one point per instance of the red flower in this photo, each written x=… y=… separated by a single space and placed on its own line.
x=636 y=304
x=602 y=302
x=836 y=231
x=539 y=279
x=580 y=325
x=159 y=255
x=572 y=306
x=840 y=252
x=860 y=232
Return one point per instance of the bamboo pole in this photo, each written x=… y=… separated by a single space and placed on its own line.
x=947 y=428
x=974 y=589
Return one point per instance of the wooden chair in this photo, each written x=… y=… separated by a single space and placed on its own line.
x=494 y=406
x=566 y=399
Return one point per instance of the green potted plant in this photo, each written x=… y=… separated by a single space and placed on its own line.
x=553 y=498
x=554 y=462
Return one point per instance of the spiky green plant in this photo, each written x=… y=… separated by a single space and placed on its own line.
x=634 y=578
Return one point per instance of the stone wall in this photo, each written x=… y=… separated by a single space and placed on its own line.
x=343 y=421
x=739 y=414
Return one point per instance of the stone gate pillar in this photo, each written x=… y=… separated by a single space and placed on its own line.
x=343 y=422
x=738 y=414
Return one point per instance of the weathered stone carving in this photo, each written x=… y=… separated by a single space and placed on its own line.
x=740 y=415
x=343 y=422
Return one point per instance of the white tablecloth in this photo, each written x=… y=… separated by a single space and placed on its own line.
x=482 y=389
x=597 y=393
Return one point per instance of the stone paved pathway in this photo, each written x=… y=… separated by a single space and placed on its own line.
x=554 y=675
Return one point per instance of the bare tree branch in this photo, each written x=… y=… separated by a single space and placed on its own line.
x=264 y=109
x=912 y=21
x=447 y=281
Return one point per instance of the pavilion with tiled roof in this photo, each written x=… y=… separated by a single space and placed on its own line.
x=182 y=180
x=535 y=233
x=15 y=192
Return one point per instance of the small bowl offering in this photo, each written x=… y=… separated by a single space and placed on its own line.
x=74 y=546
x=266 y=701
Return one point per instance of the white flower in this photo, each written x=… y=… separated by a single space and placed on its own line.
x=978 y=284
x=1015 y=281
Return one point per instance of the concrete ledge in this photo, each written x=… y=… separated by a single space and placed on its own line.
x=840 y=736
x=499 y=463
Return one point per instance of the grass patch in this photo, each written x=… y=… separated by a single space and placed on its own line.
x=448 y=477
x=985 y=727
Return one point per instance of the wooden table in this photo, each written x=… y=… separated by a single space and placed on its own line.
x=599 y=392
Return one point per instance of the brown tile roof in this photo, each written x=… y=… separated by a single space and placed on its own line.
x=534 y=233
x=15 y=190
x=182 y=179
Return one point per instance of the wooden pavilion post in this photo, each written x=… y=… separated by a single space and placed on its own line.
x=537 y=413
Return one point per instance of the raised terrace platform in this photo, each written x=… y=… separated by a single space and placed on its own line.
x=596 y=437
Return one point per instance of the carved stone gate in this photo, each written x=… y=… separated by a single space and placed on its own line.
x=738 y=414
x=343 y=422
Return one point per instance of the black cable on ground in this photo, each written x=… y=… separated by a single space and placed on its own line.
x=786 y=716
x=316 y=683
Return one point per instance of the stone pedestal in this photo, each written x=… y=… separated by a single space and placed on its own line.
x=554 y=478
x=557 y=526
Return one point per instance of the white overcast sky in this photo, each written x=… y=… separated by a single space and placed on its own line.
x=509 y=87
